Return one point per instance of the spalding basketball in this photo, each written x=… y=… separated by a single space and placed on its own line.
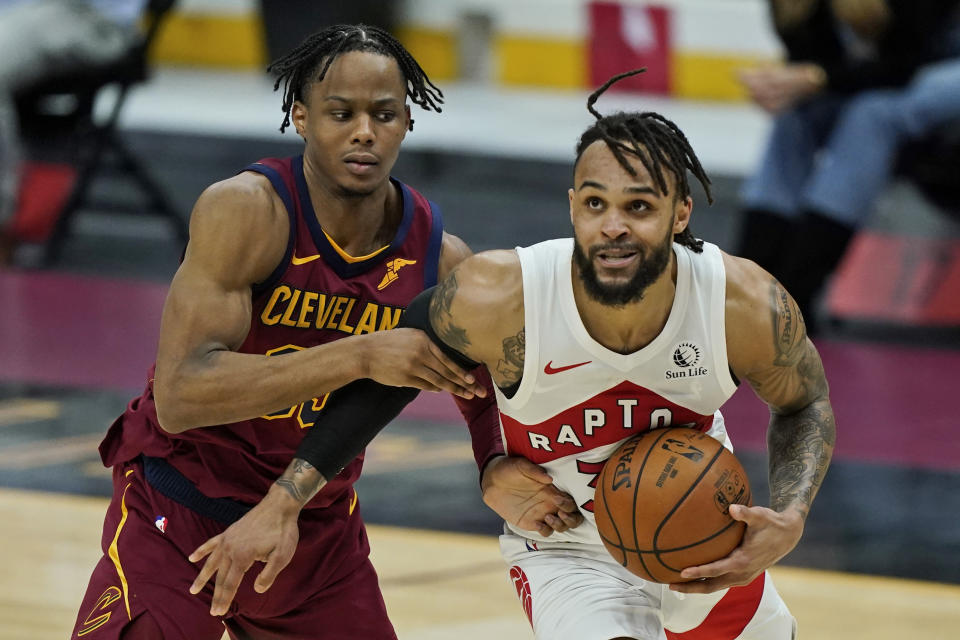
x=662 y=502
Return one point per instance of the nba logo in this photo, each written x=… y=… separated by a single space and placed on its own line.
x=161 y=523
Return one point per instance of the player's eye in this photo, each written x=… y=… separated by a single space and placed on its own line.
x=639 y=205
x=340 y=115
x=386 y=116
x=594 y=203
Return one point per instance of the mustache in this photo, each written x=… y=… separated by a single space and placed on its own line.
x=615 y=246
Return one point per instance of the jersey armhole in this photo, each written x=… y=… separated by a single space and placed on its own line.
x=522 y=389
x=432 y=269
x=725 y=376
x=281 y=189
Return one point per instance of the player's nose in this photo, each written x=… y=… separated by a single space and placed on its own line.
x=363 y=132
x=613 y=224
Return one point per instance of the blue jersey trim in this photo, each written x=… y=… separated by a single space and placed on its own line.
x=333 y=259
x=281 y=188
x=430 y=273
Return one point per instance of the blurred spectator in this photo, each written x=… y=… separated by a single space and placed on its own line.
x=42 y=38
x=863 y=77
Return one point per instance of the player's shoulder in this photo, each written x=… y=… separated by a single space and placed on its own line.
x=486 y=283
x=748 y=285
x=237 y=224
x=453 y=251
x=753 y=298
x=494 y=268
x=247 y=194
x=244 y=205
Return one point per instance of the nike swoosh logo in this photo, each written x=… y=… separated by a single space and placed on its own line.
x=299 y=261
x=549 y=370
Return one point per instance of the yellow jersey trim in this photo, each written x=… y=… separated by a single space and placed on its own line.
x=114 y=552
x=353 y=503
x=346 y=256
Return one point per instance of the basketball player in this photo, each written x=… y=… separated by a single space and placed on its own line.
x=294 y=269
x=632 y=324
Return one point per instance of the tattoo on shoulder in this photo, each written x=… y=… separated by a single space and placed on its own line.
x=510 y=367
x=441 y=317
x=789 y=331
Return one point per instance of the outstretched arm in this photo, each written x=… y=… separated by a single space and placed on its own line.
x=516 y=489
x=786 y=372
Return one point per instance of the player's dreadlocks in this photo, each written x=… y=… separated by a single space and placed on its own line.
x=309 y=63
x=658 y=143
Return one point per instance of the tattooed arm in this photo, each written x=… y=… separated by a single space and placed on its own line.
x=785 y=371
x=478 y=310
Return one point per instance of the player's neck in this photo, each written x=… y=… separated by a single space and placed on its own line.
x=633 y=326
x=358 y=224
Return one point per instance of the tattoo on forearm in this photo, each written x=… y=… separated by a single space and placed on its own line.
x=788 y=326
x=510 y=367
x=301 y=480
x=441 y=317
x=801 y=445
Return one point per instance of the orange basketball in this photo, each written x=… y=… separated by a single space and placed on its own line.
x=663 y=499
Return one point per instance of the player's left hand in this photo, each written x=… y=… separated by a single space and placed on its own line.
x=524 y=495
x=769 y=536
x=267 y=533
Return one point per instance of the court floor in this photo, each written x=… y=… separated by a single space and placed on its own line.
x=437 y=585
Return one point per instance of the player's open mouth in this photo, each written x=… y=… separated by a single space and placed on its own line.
x=616 y=258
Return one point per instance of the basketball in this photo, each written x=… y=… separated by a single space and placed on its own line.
x=662 y=502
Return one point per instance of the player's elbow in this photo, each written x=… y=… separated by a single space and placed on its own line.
x=170 y=414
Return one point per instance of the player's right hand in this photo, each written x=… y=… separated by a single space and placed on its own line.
x=409 y=358
x=267 y=533
x=523 y=494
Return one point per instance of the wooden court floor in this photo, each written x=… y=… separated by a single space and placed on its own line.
x=437 y=585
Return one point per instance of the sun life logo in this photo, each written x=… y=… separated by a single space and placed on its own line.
x=686 y=354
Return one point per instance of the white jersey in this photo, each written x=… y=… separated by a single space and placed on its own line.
x=577 y=400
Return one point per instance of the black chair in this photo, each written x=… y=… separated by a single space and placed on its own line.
x=57 y=114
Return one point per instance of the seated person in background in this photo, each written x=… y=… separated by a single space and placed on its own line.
x=862 y=78
x=41 y=38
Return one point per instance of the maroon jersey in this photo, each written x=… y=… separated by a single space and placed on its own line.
x=316 y=295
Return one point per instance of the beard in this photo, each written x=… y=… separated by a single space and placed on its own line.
x=651 y=266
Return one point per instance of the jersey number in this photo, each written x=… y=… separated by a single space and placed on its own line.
x=659 y=419
x=306 y=412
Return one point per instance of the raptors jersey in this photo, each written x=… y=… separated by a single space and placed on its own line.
x=316 y=295
x=577 y=400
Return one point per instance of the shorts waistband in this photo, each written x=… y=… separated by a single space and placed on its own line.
x=163 y=477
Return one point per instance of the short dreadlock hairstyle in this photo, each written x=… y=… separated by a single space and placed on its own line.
x=309 y=63
x=656 y=141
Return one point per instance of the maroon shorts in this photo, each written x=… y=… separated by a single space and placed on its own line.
x=328 y=591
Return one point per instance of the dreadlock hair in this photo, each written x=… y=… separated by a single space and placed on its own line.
x=656 y=141
x=309 y=63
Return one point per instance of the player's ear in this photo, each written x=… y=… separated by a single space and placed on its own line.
x=406 y=111
x=298 y=116
x=682 y=211
x=570 y=195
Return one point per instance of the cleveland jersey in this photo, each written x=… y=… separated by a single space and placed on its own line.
x=316 y=295
x=577 y=401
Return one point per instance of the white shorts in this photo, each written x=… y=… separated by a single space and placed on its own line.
x=573 y=591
